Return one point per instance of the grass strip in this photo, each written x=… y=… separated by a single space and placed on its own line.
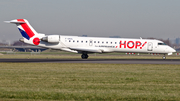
x=63 y=81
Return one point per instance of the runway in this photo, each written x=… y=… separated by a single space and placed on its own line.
x=103 y=61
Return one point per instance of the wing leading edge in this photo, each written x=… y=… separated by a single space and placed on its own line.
x=86 y=49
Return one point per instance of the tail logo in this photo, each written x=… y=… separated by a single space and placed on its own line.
x=36 y=41
x=24 y=34
x=26 y=31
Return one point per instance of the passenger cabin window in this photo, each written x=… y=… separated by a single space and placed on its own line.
x=77 y=41
x=94 y=41
x=86 y=41
x=161 y=44
x=81 y=41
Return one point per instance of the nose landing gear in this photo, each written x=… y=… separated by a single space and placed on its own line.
x=164 y=57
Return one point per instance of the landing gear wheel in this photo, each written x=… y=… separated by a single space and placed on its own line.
x=84 y=56
x=164 y=57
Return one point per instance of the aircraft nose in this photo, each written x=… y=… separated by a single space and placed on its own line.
x=173 y=50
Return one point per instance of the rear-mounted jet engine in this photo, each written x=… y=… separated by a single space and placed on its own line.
x=51 y=38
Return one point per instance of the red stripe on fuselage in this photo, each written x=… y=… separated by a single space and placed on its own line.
x=26 y=28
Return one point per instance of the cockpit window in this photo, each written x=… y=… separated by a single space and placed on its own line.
x=161 y=44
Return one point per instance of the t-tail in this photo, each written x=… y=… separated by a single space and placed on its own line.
x=30 y=36
x=24 y=27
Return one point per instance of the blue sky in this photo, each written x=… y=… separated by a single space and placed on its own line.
x=125 y=18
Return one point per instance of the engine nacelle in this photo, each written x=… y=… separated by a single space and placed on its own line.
x=51 y=38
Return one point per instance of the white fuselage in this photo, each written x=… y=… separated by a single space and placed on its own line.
x=103 y=45
x=87 y=45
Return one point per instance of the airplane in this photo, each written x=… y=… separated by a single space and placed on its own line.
x=87 y=45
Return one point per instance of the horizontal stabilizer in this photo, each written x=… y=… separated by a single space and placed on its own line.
x=14 y=21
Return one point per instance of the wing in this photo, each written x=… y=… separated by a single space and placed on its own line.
x=86 y=49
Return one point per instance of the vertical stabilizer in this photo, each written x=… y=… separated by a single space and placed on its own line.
x=24 y=27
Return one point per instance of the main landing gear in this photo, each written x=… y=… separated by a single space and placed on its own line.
x=164 y=57
x=84 y=56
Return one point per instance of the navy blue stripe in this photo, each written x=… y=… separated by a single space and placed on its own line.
x=24 y=34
